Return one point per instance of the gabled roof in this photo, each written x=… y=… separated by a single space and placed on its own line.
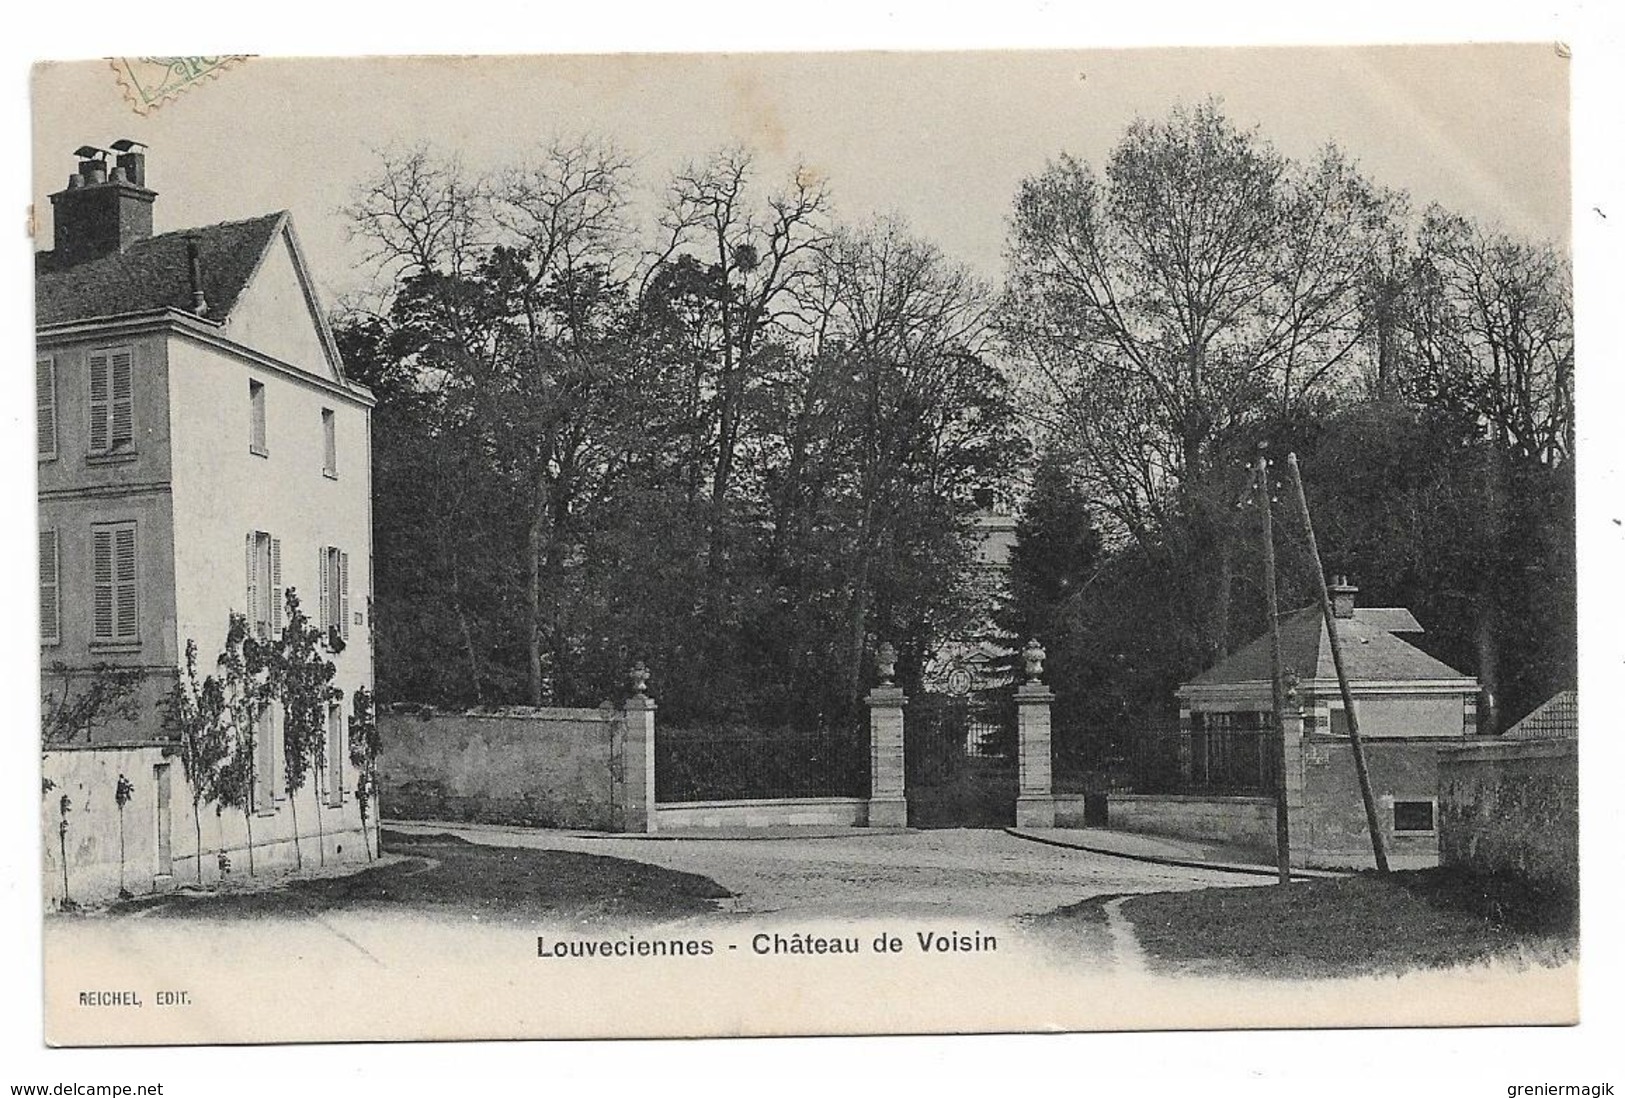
x=1371 y=653
x=153 y=274
x=1557 y=718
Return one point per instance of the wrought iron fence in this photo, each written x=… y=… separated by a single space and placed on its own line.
x=709 y=765
x=1240 y=762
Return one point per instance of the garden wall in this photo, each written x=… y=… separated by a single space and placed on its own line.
x=159 y=833
x=535 y=767
x=1512 y=806
x=1239 y=821
x=775 y=812
x=1331 y=823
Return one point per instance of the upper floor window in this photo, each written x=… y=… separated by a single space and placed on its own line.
x=256 y=418
x=112 y=401
x=50 y=589
x=335 y=588
x=113 y=570
x=45 y=405
x=264 y=560
x=330 y=444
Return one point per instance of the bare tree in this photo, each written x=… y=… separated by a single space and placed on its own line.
x=758 y=258
x=1492 y=326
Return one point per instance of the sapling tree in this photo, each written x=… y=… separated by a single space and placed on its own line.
x=365 y=747
x=195 y=710
x=245 y=696
x=301 y=681
x=122 y=791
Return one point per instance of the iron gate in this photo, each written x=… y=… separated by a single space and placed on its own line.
x=959 y=759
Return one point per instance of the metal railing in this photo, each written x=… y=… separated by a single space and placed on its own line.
x=1218 y=763
x=709 y=765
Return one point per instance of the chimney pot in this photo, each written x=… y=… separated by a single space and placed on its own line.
x=96 y=216
x=1342 y=593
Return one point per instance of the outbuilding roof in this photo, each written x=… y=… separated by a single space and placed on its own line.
x=154 y=274
x=1557 y=718
x=1371 y=652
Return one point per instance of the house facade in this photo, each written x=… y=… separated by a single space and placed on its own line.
x=1408 y=705
x=201 y=453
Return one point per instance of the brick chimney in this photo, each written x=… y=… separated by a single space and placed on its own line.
x=103 y=212
x=1342 y=592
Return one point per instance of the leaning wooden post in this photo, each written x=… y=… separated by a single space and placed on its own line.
x=1283 y=843
x=888 y=800
x=1355 y=743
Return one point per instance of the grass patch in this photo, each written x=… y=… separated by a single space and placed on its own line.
x=447 y=875
x=1359 y=925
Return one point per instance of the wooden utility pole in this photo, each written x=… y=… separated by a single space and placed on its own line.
x=1355 y=743
x=1283 y=841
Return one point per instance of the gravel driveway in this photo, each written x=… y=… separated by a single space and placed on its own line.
x=986 y=874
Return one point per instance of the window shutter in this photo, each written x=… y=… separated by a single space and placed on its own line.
x=276 y=586
x=102 y=579
x=323 y=567
x=330 y=444
x=253 y=610
x=45 y=394
x=50 y=586
x=123 y=369
x=99 y=398
x=124 y=581
x=344 y=595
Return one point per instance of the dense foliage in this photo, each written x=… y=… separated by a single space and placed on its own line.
x=741 y=444
x=739 y=449
x=1208 y=296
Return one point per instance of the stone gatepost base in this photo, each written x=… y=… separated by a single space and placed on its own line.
x=888 y=812
x=1037 y=811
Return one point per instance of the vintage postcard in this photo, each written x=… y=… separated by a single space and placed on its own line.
x=712 y=545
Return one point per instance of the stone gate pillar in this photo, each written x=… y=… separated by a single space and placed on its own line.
x=638 y=758
x=1035 y=797
x=888 y=804
x=1300 y=826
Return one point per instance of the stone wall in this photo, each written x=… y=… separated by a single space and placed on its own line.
x=536 y=767
x=780 y=812
x=1331 y=824
x=1238 y=821
x=1512 y=806
x=159 y=833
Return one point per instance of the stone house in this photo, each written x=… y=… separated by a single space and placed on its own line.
x=1408 y=704
x=201 y=452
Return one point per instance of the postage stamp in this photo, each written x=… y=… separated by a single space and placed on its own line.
x=150 y=82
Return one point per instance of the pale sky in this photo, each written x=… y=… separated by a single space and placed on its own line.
x=941 y=138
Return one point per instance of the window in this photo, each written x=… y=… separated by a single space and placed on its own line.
x=265 y=760
x=1413 y=817
x=263 y=555
x=114 y=576
x=45 y=406
x=256 y=418
x=335 y=756
x=112 y=401
x=334 y=569
x=1339 y=719
x=330 y=445
x=50 y=589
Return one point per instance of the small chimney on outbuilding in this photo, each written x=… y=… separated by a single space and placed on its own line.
x=99 y=213
x=1342 y=592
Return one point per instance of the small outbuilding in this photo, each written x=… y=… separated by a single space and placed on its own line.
x=1408 y=703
